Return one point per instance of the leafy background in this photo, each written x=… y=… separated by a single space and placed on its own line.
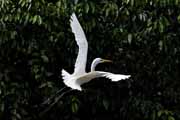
x=142 y=37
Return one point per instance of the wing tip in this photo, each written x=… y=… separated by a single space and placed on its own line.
x=116 y=78
x=73 y=17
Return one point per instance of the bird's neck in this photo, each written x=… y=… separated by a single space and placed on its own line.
x=93 y=65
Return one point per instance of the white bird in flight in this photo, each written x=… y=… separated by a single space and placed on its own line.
x=80 y=76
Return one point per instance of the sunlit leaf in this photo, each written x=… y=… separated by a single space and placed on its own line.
x=106 y=104
x=161 y=26
x=87 y=7
x=171 y=118
x=178 y=18
x=74 y=107
x=34 y=19
x=159 y=113
x=129 y=38
x=160 y=44
x=45 y=58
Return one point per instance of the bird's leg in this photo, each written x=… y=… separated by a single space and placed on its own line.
x=88 y=90
x=56 y=100
x=85 y=90
x=50 y=98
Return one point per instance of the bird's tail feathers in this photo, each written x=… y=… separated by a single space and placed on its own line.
x=65 y=74
x=68 y=81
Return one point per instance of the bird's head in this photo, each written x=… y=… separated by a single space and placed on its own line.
x=100 y=60
x=97 y=61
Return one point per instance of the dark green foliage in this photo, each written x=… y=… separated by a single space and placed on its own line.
x=141 y=37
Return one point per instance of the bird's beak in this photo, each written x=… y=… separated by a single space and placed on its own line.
x=104 y=60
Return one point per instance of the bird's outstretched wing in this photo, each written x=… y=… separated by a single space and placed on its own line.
x=80 y=38
x=96 y=74
x=115 y=77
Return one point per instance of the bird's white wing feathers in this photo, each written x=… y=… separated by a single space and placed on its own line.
x=96 y=74
x=111 y=76
x=69 y=80
x=115 y=77
x=80 y=38
x=75 y=82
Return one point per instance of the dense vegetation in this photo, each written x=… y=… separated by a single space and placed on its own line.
x=141 y=37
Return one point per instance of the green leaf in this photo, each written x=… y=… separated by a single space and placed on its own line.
x=176 y=2
x=6 y=18
x=161 y=27
x=170 y=118
x=39 y=20
x=45 y=58
x=74 y=107
x=159 y=113
x=178 y=18
x=127 y=1
x=58 y=4
x=155 y=25
x=166 y=112
x=13 y=34
x=2 y=106
x=165 y=21
x=92 y=7
x=34 y=19
x=107 y=12
x=48 y=84
x=132 y=2
x=37 y=76
x=18 y=116
x=20 y=1
x=23 y=3
x=106 y=104
x=149 y=23
x=86 y=7
x=26 y=19
x=129 y=38
x=154 y=115
x=17 y=17
x=160 y=44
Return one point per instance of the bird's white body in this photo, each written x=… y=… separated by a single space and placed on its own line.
x=80 y=76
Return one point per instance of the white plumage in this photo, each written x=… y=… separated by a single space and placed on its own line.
x=80 y=38
x=80 y=76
